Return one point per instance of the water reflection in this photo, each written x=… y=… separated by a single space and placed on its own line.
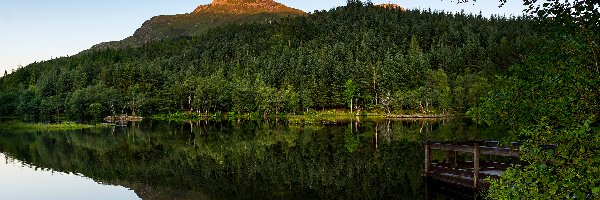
x=247 y=160
x=22 y=181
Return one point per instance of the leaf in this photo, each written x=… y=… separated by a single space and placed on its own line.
x=579 y=194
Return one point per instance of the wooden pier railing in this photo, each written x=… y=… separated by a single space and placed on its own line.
x=470 y=174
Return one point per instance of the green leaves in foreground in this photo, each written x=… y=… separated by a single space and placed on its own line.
x=571 y=170
x=550 y=99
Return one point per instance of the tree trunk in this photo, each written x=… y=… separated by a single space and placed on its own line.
x=351 y=106
x=190 y=102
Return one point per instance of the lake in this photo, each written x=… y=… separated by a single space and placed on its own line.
x=228 y=160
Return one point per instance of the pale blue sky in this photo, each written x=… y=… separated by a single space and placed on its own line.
x=37 y=30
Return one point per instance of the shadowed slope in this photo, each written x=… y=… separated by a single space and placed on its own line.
x=218 y=13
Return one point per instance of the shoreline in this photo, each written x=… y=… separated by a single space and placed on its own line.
x=47 y=126
x=421 y=116
x=310 y=118
x=319 y=117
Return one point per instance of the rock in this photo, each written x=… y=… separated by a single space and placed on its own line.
x=123 y=118
x=246 y=7
x=392 y=6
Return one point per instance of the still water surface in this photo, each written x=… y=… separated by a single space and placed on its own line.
x=227 y=160
x=22 y=181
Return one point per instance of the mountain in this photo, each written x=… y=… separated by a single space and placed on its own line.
x=392 y=6
x=246 y=7
x=204 y=17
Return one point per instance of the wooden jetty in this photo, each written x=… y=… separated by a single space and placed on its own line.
x=468 y=174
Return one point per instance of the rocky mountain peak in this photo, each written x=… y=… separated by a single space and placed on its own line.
x=392 y=6
x=205 y=17
x=245 y=7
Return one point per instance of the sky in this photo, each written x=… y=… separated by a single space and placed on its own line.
x=39 y=30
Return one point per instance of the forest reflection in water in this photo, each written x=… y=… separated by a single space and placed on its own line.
x=248 y=159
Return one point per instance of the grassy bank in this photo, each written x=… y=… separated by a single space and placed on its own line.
x=46 y=126
x=310 y=117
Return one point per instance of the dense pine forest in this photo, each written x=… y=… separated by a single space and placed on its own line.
x=361 y=55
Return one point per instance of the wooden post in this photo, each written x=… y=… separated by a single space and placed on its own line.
x=456 y=159
x=427 y=158
x=476 y=166
x=427 y=196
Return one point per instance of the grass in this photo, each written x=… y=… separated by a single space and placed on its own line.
x=310 y=117
x=46 y=126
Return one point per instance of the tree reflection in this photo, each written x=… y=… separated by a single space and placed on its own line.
x=245 y=160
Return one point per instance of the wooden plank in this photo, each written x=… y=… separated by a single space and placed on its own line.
x=483 y=149
x=458 y=165
x=495 y=165
x=469 y=174
x=482 y=165
x=499 y=151
x=449 y=147
x=491 y=143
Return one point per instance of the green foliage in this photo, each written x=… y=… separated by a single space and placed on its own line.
x=468 y=89
x=407 y=100
x=568 y=171
x=292 y=99
x=415 y=60
x=552 y=98
x=96 y=110
x=554 y=84
x=9 y=99
x=29 y=104
x=267 y=100
x=436 y=90
x=349 y=92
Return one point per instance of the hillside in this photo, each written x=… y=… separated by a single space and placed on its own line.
x=399 y=62
x=203 y=18
x=246 y=7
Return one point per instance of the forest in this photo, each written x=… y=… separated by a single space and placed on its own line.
x=536 y=76
x=370 y=57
